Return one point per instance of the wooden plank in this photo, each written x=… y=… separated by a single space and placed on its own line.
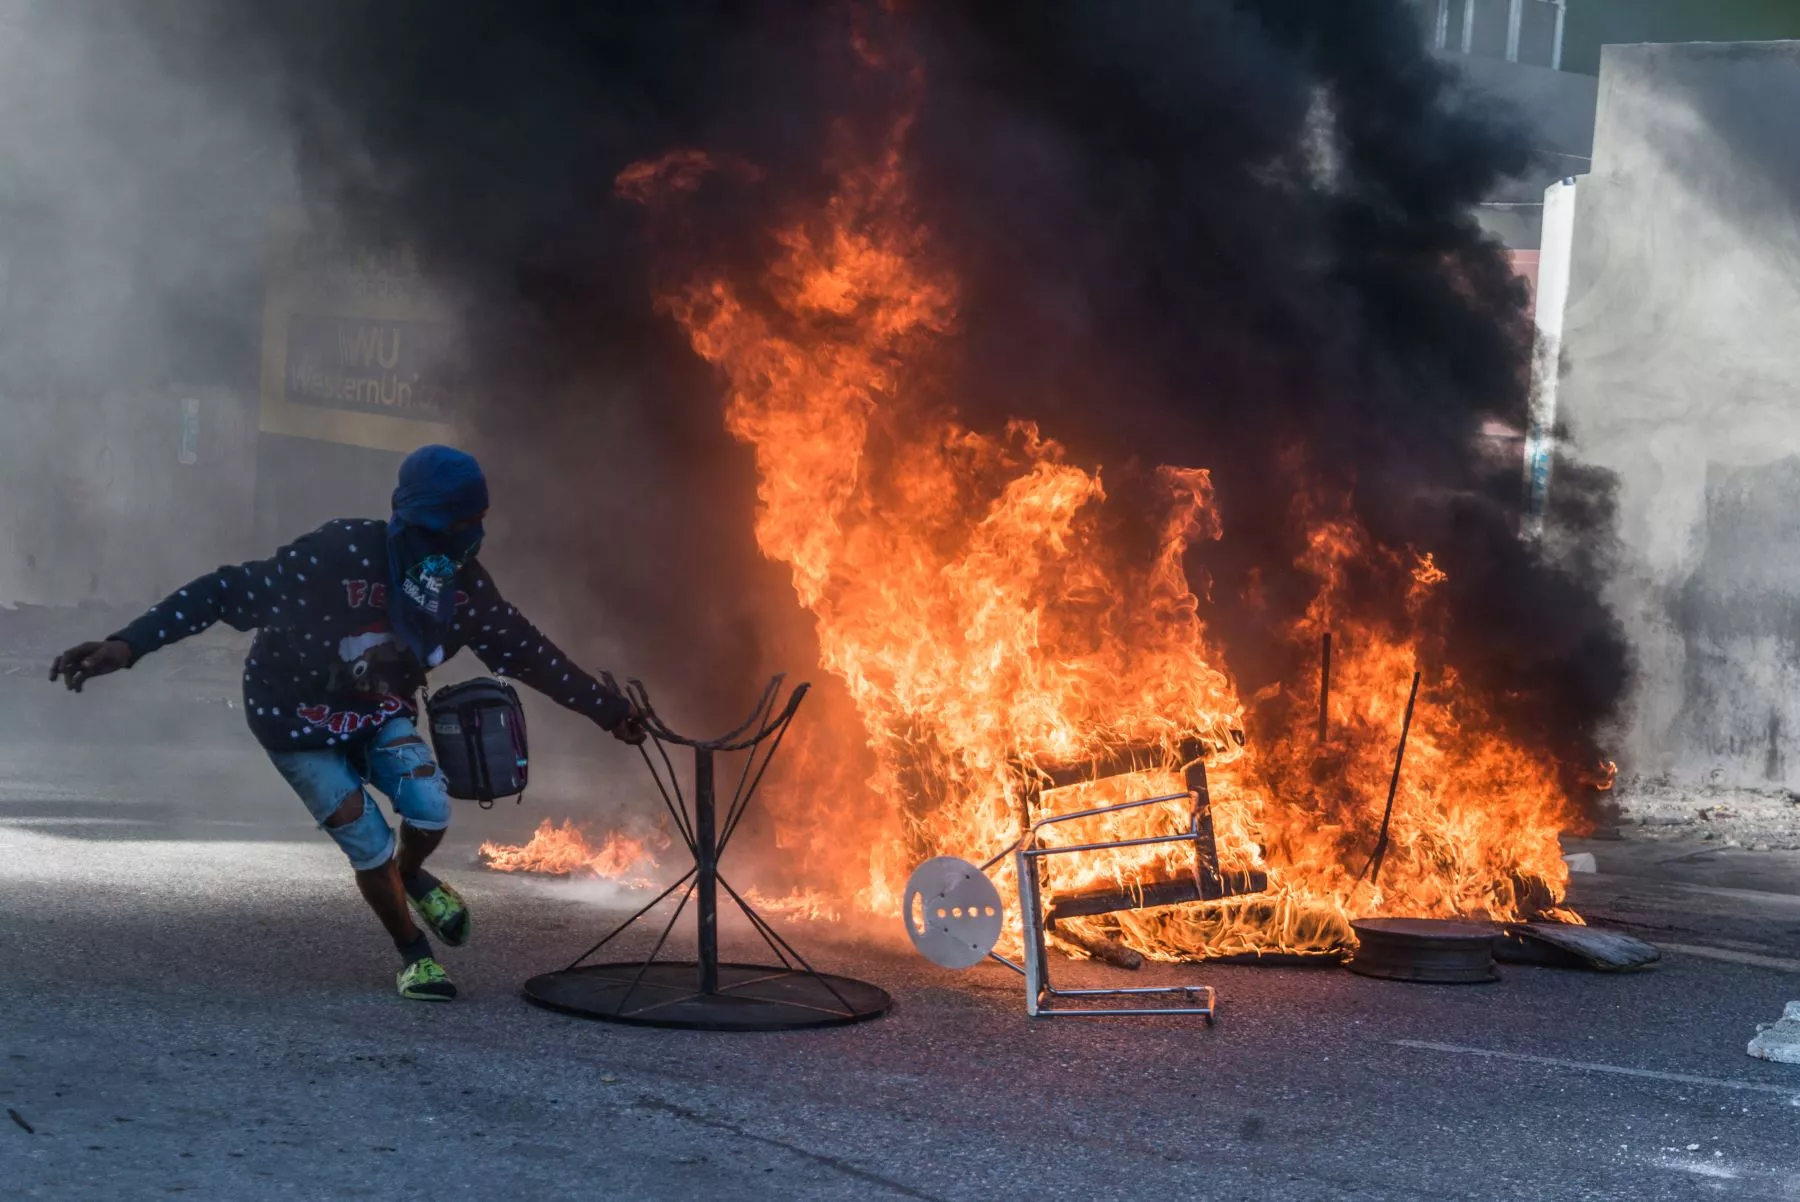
x=1155 y=893
x=1099 y=947
x=1576 y=946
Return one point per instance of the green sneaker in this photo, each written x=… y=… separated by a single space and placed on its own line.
x=426 y=981
x=444 y=914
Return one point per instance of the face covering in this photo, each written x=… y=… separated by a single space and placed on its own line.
x=439 y=487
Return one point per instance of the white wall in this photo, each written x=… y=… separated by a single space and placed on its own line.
x=1680 y=374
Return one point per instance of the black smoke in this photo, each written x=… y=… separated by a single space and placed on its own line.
x=1228 y=234
x=1241 y=236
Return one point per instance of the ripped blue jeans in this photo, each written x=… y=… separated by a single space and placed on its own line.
x=398 y=762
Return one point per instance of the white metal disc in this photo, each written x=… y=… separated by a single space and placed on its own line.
x=952 y=912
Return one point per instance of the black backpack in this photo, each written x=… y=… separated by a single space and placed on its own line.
x=478 y=733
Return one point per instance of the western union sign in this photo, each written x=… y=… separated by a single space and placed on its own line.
x=358 y=346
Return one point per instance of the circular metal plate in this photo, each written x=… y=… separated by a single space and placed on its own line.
x=750 y=997
x=952 y=912
x=1430 y=950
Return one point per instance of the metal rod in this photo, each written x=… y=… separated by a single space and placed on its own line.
x=1206 y=849
x=1325 y=687
x=678 y=813
x=1203 y=994
x=740 y=800
x=737 y=795
x=781 y=719
x=1132 y=989
x=1031 y=925
x=1037 y=852
x=662 y=939
x=813 y=1006
x=674 y=780
x=1119 y=762
x=1373 y=868
x=1123 y=805
x=1146 y=1012
x=756 y=923
x=676 y=1000
x=654 y=723
x=743 y=804
x=769 y=933
x=998 y=958
x=1003 y=853
x=608 y=937
x=773 y=974
x=706 y=866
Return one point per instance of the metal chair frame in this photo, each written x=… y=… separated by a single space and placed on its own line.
x=1040 y=995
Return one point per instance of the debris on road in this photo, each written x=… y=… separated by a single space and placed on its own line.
x=18 y=1118
x=1563 y=945
x=1779 y=1041
x=1754 y=818
x=1435 y=951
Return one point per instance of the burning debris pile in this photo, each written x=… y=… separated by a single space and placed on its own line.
x=1113 y=358
x=973 y=592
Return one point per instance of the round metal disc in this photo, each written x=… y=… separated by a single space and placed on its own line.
x=1431 y=950
x=952 y=912
x=749 y=997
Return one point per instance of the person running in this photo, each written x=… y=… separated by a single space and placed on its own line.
x=349 y=620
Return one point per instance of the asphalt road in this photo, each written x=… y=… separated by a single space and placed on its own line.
x=193 y=1002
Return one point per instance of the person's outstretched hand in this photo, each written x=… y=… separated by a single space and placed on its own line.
x=80 y=664
x=631 y=729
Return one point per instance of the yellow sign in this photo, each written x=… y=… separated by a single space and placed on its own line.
x=358 y=346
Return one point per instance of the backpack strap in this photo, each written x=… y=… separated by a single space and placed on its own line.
x=469 y=718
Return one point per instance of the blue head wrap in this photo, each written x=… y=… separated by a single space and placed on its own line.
x=439 y=487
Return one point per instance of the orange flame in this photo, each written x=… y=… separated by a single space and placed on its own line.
x=968 y=596
x=564 y=851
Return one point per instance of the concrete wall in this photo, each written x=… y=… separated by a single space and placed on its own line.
x=1558 y=109
x=1558 y=105
x=1681 y=374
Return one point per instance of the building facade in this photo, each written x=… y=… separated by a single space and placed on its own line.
x=1676 y=372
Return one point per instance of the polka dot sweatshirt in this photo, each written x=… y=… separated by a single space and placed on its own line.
x=319 y=609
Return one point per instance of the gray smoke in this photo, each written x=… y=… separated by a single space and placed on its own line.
x=133 y=210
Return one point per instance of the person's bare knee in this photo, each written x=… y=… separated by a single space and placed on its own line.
x=348 y=810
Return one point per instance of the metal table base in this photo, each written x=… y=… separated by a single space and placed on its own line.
x=704 y=993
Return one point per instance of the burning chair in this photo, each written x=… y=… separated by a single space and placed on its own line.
x=954 y=913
